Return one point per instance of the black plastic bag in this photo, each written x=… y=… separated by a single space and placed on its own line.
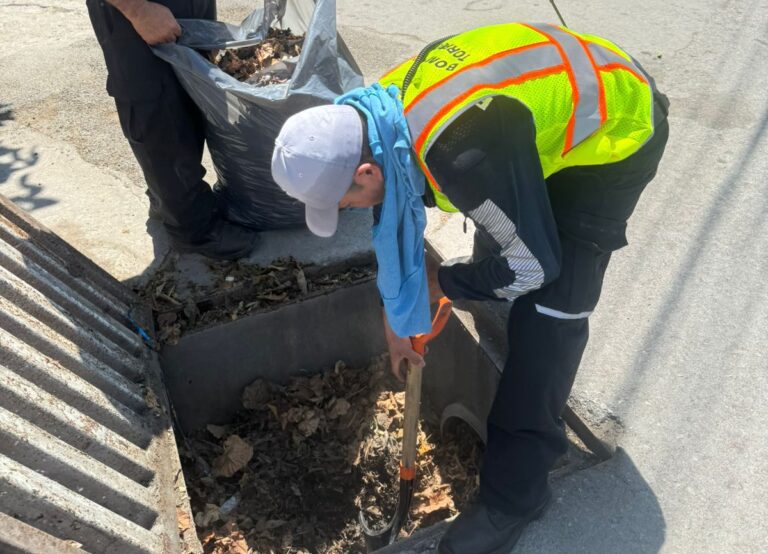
x=243 y=119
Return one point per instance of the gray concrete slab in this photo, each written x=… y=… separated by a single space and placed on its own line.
x=677 y=342
x=351 y=243
x=352 y=239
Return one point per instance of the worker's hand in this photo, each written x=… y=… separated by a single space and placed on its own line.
x=400 y=351
x=435 y=292
x=153 y=22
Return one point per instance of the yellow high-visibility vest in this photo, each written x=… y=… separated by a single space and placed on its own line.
x=591 y=103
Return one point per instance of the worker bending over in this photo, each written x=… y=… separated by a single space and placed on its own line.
x=543 y=137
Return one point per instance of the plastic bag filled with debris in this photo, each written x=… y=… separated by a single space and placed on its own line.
x=248 y=80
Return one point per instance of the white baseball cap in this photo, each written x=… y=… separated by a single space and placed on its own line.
x=314 y=161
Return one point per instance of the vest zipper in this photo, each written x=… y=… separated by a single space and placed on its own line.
x=417 y=62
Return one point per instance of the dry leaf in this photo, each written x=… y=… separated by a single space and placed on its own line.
x=151 y=399
x=431 y=501
x=228 y=540
x=168 y=318
x=383 y=420
x=294 y=414
x=273 y=297
x=301 y=280
x=265 y=52
x=424 y=447
x=217 y=431
x=339 y=408
x=208 y=537
x=256 y=395
x=182 y=520
x=299 y=390
x=191 y=311
x=316 y=384
x=237 y=453
x=208 y=516
x=309 y=424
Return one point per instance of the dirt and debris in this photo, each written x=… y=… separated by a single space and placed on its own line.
x=268 y=63
x=237 y=289
x=311 y=455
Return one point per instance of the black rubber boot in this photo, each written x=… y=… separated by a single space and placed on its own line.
x=482 y=530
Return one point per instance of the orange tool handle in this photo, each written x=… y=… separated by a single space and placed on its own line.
x=419 y=342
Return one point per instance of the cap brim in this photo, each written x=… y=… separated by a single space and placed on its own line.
x=322 y=222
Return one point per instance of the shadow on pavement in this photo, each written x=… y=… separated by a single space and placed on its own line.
x=13 y=160
x=607 y=508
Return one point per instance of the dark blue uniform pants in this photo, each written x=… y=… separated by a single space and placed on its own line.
x=164 y=127
x=548 y=328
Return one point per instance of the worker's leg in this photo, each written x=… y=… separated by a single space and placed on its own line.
x=525 y=433
x=548 y=329
x=166 y=132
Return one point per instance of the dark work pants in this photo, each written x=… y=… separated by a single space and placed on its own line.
x=163 y=126
x=548 y=328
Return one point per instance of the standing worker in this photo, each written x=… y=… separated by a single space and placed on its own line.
x=545 y=138
x=163 y=126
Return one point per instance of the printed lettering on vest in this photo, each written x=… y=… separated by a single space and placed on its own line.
x=441 y=64
x=454 y=51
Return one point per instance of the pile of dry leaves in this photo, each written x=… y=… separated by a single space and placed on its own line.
x=237 y=289
x=291 y=473
x=269 y=62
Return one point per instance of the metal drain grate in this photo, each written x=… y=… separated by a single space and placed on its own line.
x=88 y=460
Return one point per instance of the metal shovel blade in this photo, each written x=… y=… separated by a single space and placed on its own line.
x=375 y=540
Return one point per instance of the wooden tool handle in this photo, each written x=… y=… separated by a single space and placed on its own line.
x=413 y=392
x=411 y=422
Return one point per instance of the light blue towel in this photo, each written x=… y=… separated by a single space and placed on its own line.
x=398 y=238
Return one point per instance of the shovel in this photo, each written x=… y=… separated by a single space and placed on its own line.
x=378 y=539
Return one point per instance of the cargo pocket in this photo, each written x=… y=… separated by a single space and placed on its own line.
x=134 y=75
x=605 y=234
x=138 y=104
x=587 y=242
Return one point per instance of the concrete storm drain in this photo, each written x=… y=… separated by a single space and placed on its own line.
x=284 y=419
x=291 y=419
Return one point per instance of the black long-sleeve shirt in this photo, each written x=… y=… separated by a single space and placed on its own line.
x=487 y=164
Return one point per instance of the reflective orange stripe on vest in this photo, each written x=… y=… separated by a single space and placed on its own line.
x=606 y=60
x=587 y=87
x=523 y=63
